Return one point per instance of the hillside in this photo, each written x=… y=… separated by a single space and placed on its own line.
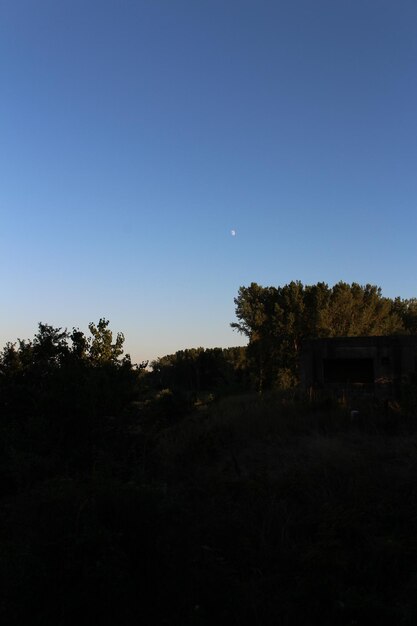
x=252 y=510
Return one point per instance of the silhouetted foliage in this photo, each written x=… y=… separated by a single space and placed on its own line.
x=201 y=370
x=277 y=319
x=126 y=498
x=61 y=394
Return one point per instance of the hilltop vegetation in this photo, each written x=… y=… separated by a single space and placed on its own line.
x=277 y=319
x=180 y=495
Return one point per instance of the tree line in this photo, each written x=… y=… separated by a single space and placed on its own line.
x=116 y=505
x=276 y=320
x=66 y=397
x=61 y=394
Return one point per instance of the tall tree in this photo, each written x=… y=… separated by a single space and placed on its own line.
x=256 y=310
x=276 y=320
x=102 y=349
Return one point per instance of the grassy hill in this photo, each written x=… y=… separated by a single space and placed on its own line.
x=251 y=510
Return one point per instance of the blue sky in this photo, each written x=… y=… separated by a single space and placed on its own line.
x=135 y=135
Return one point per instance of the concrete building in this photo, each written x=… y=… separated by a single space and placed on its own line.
x=371 y=365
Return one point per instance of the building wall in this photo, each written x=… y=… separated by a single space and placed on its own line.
x=373 y=364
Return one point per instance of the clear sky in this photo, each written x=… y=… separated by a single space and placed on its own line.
x=135 y=135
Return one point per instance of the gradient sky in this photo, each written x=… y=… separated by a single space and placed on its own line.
x=135 y=135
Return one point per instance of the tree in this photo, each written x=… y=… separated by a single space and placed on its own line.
x=102 y=350
x=61 y=394
x=256 y=310
x=407 y=312
x=277 y=320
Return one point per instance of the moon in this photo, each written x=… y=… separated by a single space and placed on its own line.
x=233 y=233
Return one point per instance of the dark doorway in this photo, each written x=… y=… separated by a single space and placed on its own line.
x=351 y=371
